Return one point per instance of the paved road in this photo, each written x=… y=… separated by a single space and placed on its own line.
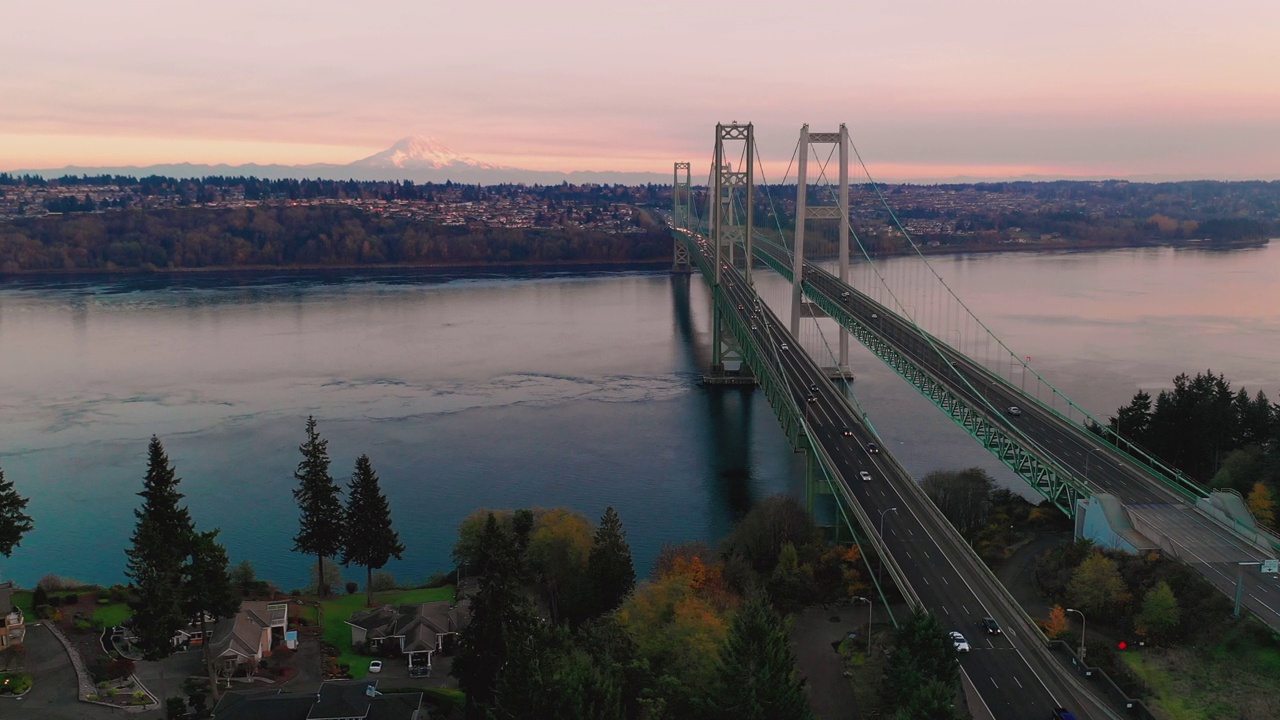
x=1012 y=671
x=53 y=696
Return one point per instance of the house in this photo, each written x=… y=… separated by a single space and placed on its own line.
x=418 y=631
x=14 y=629
x=241 y=642
x=336 y=700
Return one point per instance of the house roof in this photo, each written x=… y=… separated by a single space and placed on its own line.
x=242 y=634
x=419 y=624
x=264 y=705
x=343 y=700
x=348 y=699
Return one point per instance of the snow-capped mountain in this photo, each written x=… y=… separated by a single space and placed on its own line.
x=419 y=153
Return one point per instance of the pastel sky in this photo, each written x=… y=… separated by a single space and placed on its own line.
x=929 y=88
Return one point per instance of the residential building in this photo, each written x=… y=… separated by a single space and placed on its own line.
x=241 y=642
x=417 y=631
x=14 y=629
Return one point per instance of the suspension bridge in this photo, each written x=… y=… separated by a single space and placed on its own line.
x=1116 y=493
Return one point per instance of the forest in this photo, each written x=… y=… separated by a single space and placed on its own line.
x=277 y=236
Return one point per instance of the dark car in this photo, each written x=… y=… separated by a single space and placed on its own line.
x=1062 y=714
x=873 y=448
x=847 y=432
x=813 y=387
x=991 y=626
x=812 y=398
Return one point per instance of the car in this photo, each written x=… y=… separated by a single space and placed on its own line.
x=784 y=346
x=875 y=316
x=873 y=448
x=866 y=476
x=1062 y=714
x=741 y=307
x=753 y=326
x=844 y=294
x=813 y=387
x=375 y=666
x=812 y=398
x=847 y=432
x=1014 y=411
x=991 y=626
x=959 y=642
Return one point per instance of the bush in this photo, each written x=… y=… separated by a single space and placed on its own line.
x=70 y=599
x=83 y=626
x=14 y=683
x=386 y=581
x=106 y=669
x=352 y=588
x=437 y=579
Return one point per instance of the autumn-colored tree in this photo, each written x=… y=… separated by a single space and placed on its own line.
x=1262 y=505
x=837 y=575
x=559 y=547
x=678 y=633
x=705 y=578
x=1159 y=615
x=1056 y=624
x=1096 y=585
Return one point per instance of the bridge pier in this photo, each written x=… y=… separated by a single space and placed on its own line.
x=681 y=217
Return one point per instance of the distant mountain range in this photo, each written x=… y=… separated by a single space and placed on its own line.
x=417 y=158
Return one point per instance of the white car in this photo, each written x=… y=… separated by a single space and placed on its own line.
x=375 y=666
x=784 y=346
x=866 y=476
x=958 y=640
x=1014 y=410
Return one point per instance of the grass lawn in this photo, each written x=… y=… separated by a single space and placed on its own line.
x=111 y=615
x=1229 y=680
x=338 y=610
x=23 y=601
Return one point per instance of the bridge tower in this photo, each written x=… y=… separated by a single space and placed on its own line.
x=681 y=216
x=804 y=211
x=731 y=192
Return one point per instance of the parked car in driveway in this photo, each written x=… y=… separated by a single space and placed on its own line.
x=375 y=666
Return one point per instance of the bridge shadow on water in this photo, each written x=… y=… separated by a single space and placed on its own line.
x=727 y=430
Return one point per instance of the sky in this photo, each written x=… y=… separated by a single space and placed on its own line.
x=929 y=89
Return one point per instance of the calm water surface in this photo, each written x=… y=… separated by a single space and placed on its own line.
x=471 y=390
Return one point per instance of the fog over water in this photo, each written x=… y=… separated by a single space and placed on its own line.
x=475 y=389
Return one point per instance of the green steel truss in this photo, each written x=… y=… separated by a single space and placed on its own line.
x=1053 y=483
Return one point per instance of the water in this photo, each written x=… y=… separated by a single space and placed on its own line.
x=474 y=390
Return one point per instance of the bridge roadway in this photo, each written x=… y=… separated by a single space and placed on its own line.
x=1013 y=672
x=1201 y=542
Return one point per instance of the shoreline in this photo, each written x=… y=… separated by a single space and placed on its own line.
x=655 y=263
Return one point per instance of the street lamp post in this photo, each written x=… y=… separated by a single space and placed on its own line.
x=880 y=569
x=1084 y=625
x=869 y=603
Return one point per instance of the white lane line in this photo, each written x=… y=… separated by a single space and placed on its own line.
x=1015 y=679
x=993 y=682
x=944 y=580
x=966 y=608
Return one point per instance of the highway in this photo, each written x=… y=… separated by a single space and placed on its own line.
x=1013 y=672
x=1197 y=539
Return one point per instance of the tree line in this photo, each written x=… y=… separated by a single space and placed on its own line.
x=1222 y=438
x=291 y=236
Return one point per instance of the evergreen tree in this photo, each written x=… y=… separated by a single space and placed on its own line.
x=210 y=593
x=320 y=530
x=502 y=622
x=13 y=522
x=756 y=677
x=370 y=541
x=923 y=654
x=609 y=568
x=161 y=543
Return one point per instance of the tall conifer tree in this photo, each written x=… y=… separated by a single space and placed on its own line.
x=209 y=592
x=370 y=540
x=756 y=677
x=161 y=543
x=609 y=567
x=320 y=530
x=13 y=522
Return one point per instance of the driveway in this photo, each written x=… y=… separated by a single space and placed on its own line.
x=164 y=677
x=53 y=696
x=815 y=629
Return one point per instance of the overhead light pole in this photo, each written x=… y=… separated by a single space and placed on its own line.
x=869 y=603
x=1084 y=625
